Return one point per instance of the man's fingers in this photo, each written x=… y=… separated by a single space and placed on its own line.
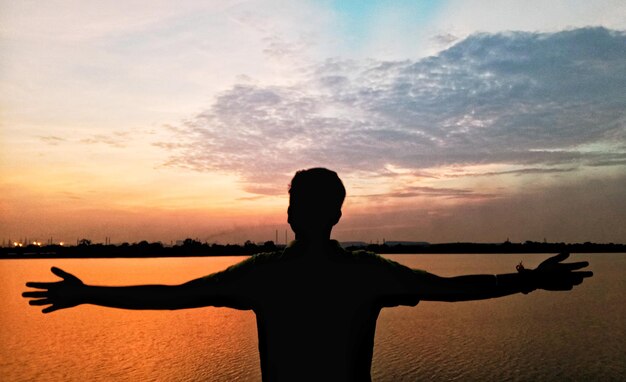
x=50 y=309
x=57 y=271
x=39 y=285
x=575 y=266
x=43 y=301
x=561 y=285
x=584 y=274
x=577 y=278
x=61 y=273
x=558 y=258
x=35 y=294
x=577 y=281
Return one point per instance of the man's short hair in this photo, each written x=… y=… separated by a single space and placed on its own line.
x=316 y=191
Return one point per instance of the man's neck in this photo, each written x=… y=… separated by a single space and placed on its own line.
x=314 y=245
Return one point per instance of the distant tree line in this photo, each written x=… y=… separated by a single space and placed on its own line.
x=506 y=247
x=190 y=247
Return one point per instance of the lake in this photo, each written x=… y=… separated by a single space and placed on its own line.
x=547 y=336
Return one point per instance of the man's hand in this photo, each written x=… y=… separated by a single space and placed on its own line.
x=59 y=295
x=554 y=275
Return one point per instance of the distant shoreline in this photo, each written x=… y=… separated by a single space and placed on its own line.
x=192 y=248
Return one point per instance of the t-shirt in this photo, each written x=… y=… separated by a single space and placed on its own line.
x=316 y=318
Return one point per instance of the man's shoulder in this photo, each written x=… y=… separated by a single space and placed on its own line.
x=381 y=263
x=249 y=265
x=260 y=259
x=361 y=255
x=367 y=257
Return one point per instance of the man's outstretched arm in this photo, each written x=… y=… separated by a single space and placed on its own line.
x=71 y=291
x=551 y=275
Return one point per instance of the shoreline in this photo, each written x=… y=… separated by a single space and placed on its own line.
x=197 y=249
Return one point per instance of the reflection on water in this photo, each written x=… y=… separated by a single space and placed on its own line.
x=541 y=336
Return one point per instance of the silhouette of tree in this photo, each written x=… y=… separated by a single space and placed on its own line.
x=84 y=242
x=191 y=243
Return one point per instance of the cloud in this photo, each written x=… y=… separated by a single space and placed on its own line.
x=116 y=139
x=525 y=99
x=442 y=192
x=52 y=139
x=523 y=171
x=467 y=16
x=444 y=39
x=590 y=210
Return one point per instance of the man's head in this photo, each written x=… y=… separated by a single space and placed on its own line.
x=315 y=199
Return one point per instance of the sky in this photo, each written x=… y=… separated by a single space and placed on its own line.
x=447 y=120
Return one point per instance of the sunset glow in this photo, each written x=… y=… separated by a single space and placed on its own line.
x=447 y=121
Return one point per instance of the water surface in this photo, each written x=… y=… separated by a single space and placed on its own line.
x=574 y=336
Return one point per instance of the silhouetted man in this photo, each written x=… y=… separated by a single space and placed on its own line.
x=316 y=304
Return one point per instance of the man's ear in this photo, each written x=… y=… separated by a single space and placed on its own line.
x=290 y=218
